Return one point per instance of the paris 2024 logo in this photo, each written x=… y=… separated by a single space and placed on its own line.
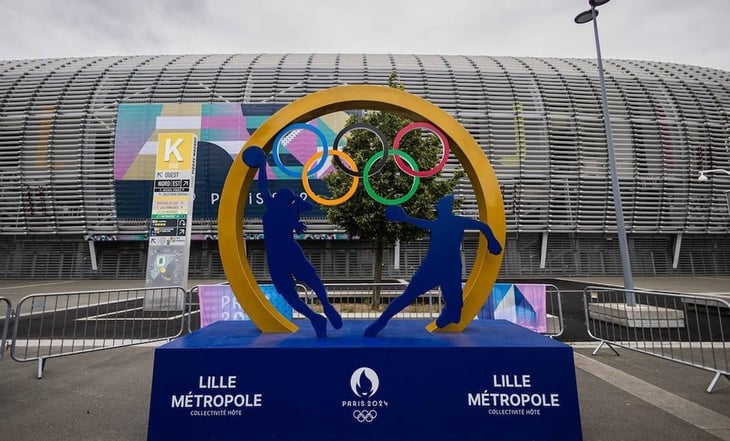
x=364 y=383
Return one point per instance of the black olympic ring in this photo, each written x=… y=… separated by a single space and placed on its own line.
x=365 y=416
x=372 y=129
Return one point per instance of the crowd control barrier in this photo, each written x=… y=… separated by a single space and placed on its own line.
x=60 y=324
x=193 y=309
x=5 y=312
x=365 y=301
x=688 y=329
x=356 y=301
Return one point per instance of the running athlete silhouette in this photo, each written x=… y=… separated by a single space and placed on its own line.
x=442 y=264
x=286 y=260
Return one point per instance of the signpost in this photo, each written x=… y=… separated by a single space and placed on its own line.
x=172 y=210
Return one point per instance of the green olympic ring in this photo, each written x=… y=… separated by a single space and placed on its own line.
x=369 y=188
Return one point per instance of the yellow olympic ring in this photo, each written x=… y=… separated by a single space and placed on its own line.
x=341 y=98
x=308 y=188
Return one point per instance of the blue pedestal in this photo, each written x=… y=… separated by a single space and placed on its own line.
x=496 y=380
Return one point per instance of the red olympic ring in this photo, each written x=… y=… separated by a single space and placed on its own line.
x=444 y=149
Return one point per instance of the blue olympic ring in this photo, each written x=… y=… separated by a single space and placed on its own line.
x=300 y=126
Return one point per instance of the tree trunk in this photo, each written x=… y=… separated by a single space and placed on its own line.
x=378 y=275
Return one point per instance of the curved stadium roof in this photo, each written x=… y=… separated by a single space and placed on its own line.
x=538 y=119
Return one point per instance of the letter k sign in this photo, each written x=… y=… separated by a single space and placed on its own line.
x=171 y=149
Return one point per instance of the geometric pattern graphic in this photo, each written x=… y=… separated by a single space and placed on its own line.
x=522 y=304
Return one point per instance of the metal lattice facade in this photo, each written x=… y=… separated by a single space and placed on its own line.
x=538 y=119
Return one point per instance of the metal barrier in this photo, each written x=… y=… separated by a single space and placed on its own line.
x=353 y=301
x=4 y=323
x=60 y=324
x=688 y=329
x=192 y=310
x=554 y=310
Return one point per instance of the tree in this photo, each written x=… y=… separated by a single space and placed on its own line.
x=364 y=217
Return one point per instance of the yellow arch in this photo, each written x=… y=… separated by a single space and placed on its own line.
x=382 y=98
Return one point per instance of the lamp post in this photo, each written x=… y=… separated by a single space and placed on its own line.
x=585 y=17
x=703 y=173
x=703 y=178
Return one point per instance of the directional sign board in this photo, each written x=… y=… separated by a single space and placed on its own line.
x=172 y=185
x=172 y=206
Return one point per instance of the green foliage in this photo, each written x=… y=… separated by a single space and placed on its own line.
x=362 y=216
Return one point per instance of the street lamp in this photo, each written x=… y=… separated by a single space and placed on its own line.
x=703 y=178
x=585 y=17
x=703 y=173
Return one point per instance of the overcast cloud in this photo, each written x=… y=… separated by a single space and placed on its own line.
x=682 y=31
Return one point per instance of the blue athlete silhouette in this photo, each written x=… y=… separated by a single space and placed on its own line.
x=287 y=263
x=442 y=264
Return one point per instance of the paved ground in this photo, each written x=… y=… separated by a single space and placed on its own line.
x=105 y=395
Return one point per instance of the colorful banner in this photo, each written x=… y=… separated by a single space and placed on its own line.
x=222 y=129
x=217 y=302
x=520 y=303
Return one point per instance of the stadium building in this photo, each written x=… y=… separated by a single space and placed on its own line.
x=77 y=136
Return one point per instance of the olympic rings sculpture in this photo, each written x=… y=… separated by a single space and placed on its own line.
x=240 y=177
x=373 y=166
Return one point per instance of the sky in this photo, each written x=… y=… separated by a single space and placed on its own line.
x=693 y=32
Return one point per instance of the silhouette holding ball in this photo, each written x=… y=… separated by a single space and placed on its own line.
x=286 y=259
